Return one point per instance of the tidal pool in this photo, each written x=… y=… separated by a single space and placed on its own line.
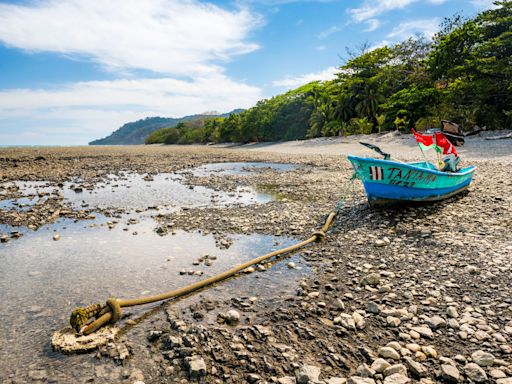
x=240 y=168
x=43 y=280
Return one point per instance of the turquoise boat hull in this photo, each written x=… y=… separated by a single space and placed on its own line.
x=387 y=182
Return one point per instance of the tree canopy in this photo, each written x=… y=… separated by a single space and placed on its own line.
x=464 y=74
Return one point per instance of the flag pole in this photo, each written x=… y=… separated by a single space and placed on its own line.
x=439 y=161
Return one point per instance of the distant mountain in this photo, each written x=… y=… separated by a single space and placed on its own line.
x=135 y=132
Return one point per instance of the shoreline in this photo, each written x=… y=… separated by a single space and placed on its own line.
x=426 y=289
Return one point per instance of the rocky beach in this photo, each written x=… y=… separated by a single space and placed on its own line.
x=402 y=295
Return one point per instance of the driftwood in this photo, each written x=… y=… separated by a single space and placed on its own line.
x=509 y=136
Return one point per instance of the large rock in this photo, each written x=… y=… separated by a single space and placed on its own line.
x=196 y=366
x=397 y=378
x=483 y=359
x=379 y=365
x=396 y=368
x=417 y=369
x=360 y=380
x=336 y=380
x=307 y=374
x=475 y=373
x=389 y=353
x=450 y=373
x=424 y=331
x=287 y=380
x=371 y=279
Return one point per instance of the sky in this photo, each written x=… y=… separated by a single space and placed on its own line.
x=75 y=70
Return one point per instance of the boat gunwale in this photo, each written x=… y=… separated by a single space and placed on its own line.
x=466 y=170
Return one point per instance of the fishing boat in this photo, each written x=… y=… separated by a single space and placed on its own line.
x=387 y=181
x=390 y=182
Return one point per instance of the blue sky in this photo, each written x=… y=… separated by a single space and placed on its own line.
x=72 y=71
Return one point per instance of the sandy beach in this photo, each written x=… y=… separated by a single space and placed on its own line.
x=411 y=294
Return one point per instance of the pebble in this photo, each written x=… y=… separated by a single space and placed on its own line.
x=416 y=368
x=475 y=373
x=56 y=237
x=397 y=378
x=389 y=353
x=483 y=359
x=232 y=317
x=379 y=365
x=372 y=279
x=307 y=374
x=450 y=373
x=360 y=380
x=396 y=368
x=196 y=366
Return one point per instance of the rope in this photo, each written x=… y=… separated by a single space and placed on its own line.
x=111 y=311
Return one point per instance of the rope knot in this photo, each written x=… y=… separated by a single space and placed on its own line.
x=115 y=308
x=80 y=316
x=319 y=235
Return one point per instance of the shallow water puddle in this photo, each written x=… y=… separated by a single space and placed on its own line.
x=43 y=280
x=239 y=168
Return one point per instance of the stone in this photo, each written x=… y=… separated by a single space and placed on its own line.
x=497 y=373
x=417 y=369
x=232 y=317
x=307 y=374
x=371 y=279
x=452 y=312
x=395 y=368
x=287 y=380
x=388 y=353
x=56 y=237
x=450 y=373
x=379 y=365
x=336 y=380
x=253 y=378
x=429 y=351
x=393 y=321
x=358 y=320
x=436 y=322
x=373 y=308
x=397 y=378
x=475 y=373
x=291 y=265
x=365 y=371
x=360 y=380
x=380 y=243
x=424 y=331
x=483 y=359
x=38 y=374
x=196 y=366
x=508 y=380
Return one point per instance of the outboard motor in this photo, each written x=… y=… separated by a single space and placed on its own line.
x=450 y=163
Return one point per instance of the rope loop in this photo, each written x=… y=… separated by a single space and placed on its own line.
x=320 y=235
x=114 y=306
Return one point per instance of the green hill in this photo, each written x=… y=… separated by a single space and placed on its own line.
x=135 y=132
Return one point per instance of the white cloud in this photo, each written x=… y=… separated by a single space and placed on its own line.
x=373 y=24
x=320 y=48
x=181 y=37
x=483 y=4
x=293 y=82
x=328 y=32
x=426 y=27
x=374 y=8
x=183 y=42
x=88 y=110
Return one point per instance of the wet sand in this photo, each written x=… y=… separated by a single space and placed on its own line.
x=427 y=289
